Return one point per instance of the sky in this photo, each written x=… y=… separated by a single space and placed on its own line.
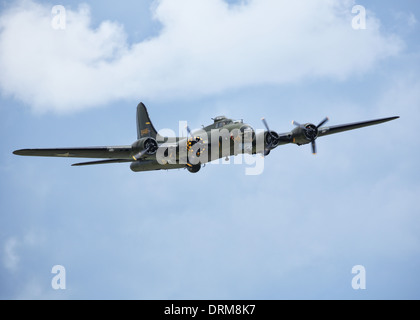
x=293 y=232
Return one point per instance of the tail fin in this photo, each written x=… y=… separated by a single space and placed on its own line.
x=145 y=127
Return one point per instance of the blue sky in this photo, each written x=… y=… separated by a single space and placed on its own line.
x=294 y=231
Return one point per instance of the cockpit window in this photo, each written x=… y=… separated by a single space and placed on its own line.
x=221 y=124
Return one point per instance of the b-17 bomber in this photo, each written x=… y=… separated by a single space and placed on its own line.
x=221 y=139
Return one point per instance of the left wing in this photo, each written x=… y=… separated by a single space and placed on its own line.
x=308 y=133
x=351 y=126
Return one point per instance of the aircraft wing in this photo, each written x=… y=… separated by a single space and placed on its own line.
x=351 y=126
x=305 y=134
x=117 y=152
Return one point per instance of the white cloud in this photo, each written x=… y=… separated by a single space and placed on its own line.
x=10 y=257
x=406 y=18
x=411 y=21
x=205 y=47
x=14 y=245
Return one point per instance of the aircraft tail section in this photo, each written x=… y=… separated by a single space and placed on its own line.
x=145 y=127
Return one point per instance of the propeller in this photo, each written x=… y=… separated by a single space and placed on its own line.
x=323 y=122
x=195 y=141
x=266 y=125
x=313 y=147
x=140 y=155
x=274 y=138
x=311 y=131
x=189 y=132
x=297 y=124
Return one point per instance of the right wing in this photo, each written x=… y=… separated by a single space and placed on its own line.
x=117 y=152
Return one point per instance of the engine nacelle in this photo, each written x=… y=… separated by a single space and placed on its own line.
x=266 y=141
x=305 y=134
x=147 y=145
x=271 y=139
x=193 y=168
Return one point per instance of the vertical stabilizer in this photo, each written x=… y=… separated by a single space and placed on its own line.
x=145 y=127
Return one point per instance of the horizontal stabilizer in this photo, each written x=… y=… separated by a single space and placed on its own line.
x=101 y=162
